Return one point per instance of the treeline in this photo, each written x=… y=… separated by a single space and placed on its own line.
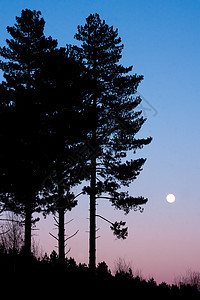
x=123 y=282
x=67 y=115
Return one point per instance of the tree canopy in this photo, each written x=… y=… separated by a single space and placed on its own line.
x=115 y=120
x=68 y=114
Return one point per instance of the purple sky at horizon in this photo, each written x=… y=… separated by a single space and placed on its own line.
x=162 y=42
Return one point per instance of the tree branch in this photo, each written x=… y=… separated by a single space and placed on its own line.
x=2 y=233
x=104 y=219
x=71 y=235
x=69 y=221
x=105 y=198
x=53 y=236
x=57 y=223
x=68 y=251
x=77 y=195
x=116 y=227
x=11 y=220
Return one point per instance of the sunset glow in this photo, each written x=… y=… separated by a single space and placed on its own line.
x=161 y=41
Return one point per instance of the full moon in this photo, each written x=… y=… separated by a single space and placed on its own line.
x=171 y=198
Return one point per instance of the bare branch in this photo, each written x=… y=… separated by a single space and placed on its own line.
x=53 y=236
x=68 y=251
x=78 y=195
x=56 y=220
x=71 y=235
x=11 y=220
x=2 y=233
x=69 y=221
x=104 y=219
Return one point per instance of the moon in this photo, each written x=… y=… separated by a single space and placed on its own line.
x=171 y=198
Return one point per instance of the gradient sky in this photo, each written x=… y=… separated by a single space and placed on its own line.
x=162 y=42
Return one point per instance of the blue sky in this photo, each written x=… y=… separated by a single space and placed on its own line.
x=162 y=42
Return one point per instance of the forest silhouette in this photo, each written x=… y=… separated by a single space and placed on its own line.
x=68 y=115
x=124 y=283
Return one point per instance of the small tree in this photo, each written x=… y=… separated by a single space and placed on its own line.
x=11 y=235
x=115 y=122
x=189 y=278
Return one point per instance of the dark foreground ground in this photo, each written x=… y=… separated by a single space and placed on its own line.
x=46 y=277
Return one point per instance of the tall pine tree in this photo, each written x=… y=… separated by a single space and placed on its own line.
x=24 y=144
x=115 y=122
x=62 y=86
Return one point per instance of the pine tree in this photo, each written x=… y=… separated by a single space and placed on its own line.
x=115 y=123
x=62 y=86
x=45 y=123
x=24 y=145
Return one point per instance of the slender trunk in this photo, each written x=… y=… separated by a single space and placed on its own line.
x=92 y=246
x=61 y=235
x=92 y=249
x=28 y=223
x=28 y=205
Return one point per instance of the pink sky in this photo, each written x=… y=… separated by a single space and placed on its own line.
x=162 y=42
x=162 y=245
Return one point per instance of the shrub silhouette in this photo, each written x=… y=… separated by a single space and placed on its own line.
x=122 y=283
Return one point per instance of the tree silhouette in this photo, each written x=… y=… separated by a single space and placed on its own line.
x=62 y=87
x=115 y=121
x=11 y=236
x=24 y=145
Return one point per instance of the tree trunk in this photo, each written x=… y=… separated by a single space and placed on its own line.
x=28 y=223
x=61 y=235
x=92 y=246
